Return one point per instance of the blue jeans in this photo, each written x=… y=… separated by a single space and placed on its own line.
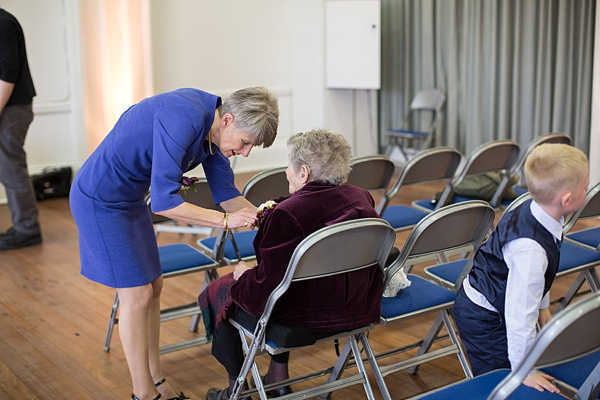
x=483 y=332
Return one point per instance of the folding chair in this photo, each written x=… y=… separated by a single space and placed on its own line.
x=419 y=124
x=372 y=173
x=572 y=376
x=201 y=197
x=450 y=275
x=579 y=251
x=571 y=334
x=453 y=226
x=267 y=185
x=428 y=165
x=176 y=260
x=587 y=238
x=517 y=171
x=497 y=155
x=336 y=249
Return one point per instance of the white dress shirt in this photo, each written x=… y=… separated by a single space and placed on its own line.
x=527 y=263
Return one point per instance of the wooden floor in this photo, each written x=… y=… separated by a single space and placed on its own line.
x=53 y=324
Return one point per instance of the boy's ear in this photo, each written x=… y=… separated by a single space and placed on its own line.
x=565 y=198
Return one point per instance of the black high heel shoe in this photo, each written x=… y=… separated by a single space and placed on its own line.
x=180 y=396
x=134 y=397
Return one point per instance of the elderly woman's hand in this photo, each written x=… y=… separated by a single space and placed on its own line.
x=244 y=218
x=239 y=269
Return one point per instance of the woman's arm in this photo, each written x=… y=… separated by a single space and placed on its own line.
x=246 y=212
x=194 y=215
x=237 y=203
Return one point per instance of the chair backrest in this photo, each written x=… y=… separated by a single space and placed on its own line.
x=515 y=203
x=424 y=112
x=201 y=197
x=372 y=173
x=590 y=209
x=336 y=249
x=427 y=165
x=497 y=155
x=266 y=185
x=570 y=334
x=428 y=99
x=447 y=228
x=553 y=137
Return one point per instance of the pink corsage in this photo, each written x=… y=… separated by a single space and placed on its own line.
x=264 y=209
x=187 y=183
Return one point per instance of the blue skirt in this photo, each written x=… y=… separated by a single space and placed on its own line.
x=117 y=243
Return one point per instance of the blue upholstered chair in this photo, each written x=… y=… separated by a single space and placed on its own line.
x=439 y=163
x=588 y=238
x=577 y=375
x=494 y=156
x=372 y=173
x=571 y=334
x=450 y=227
x=419 y=123
x=200 y=197
x=573 y=258
x=517 y=171
x=580 y=251
x=336 y=249
x=175 y=260
x=266 y=185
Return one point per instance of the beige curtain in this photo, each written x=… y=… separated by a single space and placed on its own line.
x=116 y=61
x=510 y=69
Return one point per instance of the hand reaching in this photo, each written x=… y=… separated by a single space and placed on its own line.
x=541 y=381
x=244 y=218
x=544 y=317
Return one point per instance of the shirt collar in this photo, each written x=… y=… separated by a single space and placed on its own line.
x=553 y=226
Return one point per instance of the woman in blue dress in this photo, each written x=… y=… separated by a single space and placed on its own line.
x=152 y=145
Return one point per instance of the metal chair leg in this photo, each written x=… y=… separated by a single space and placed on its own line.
x=111 y=322
x=428 y=341
x=375 y=368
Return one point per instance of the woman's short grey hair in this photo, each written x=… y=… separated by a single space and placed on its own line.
x=255 y=111
x=327 y=154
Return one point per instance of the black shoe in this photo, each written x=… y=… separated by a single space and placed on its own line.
x=180 y=396
x=278 y=392
x=14 y=239
x=134 y=397
x=217 y=394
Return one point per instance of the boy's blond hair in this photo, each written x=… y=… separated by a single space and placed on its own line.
x=551 y=168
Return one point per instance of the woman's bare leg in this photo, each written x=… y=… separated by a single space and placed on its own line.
x=135 y=305
x=154 y=338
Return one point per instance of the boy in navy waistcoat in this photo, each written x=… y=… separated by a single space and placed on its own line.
x=506 y=292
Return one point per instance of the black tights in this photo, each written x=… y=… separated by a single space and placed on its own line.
x=227 y=349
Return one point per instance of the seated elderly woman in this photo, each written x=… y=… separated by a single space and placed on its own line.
x=319 y=164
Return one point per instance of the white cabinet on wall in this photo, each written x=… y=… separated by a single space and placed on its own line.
x=353 y=44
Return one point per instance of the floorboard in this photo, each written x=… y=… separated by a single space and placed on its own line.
x=53 y=324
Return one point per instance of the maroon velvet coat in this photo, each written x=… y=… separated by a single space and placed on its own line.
x=328 y=304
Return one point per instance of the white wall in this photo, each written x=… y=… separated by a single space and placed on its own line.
x=56 y=135
x=223 y=46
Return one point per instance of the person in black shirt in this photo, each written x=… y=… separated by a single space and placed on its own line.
x=16 y=95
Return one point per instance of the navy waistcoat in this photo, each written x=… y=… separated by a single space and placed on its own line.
x=490 y=273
